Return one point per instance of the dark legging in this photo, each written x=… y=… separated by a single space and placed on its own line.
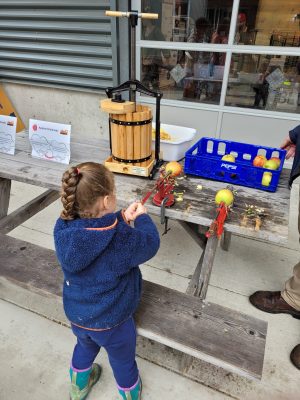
x=119 y=343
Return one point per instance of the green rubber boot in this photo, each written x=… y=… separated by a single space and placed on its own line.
x=82 y=382
x=133 y=394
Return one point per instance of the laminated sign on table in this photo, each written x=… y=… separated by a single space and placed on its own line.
x=8 y=126
x=50 y=141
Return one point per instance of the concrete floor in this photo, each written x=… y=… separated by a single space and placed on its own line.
x=35 y=352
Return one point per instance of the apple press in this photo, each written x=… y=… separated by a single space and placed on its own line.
x=130 y=124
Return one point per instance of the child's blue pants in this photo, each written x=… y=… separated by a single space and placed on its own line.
x=119 y=342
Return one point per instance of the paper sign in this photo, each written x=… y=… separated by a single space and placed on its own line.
x=8 y=126
x=178 y=73
x=6 y=108
x=275 y=79
x=50 y=141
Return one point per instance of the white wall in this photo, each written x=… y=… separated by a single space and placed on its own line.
x=79 y=109
x=256 y=130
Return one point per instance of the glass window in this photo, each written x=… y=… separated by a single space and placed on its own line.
x=184 y=75
x=268 y=23
x=197 y=21
x=265 y=82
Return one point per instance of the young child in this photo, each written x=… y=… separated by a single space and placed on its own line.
x=100 y=253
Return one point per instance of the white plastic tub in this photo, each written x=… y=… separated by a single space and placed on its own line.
x=181 y=138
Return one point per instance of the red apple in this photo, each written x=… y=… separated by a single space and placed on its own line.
x=174 y=168
x=259 y=161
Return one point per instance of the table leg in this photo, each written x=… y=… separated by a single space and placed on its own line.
x=199 y=283
x=5 y=185
x=225 y=241
x=28 y=210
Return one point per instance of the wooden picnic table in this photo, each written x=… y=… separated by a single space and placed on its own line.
x=197 y=210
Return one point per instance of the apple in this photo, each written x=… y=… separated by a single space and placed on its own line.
x=228 y=157
x=174 y=168
x=266 y=179
x=276 y=159
x=225 y=196
x=271 y=164
x=259 y=161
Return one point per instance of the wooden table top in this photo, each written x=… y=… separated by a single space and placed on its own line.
x=197 y=205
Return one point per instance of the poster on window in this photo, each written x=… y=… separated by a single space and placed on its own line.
x=50 y=141
x=8 y=127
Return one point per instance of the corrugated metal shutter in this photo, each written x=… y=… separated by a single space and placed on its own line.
x=61 y=42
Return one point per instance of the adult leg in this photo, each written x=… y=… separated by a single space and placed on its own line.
x=291 y=293
x=287 y=301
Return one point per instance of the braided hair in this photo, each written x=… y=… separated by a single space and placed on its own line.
x=82 y=186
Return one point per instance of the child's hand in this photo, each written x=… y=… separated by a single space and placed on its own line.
x=130 y=211
x=141 y=209
x=134 y=210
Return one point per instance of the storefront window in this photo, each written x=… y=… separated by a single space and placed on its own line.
x=268 y=23
x=185 y=72
x=184 y=75
x=264 y=82
x=197 y=21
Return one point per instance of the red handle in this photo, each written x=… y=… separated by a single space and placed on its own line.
x=217 y=226
x=146 y=197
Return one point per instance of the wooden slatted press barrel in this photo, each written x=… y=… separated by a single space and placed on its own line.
x=131 y=136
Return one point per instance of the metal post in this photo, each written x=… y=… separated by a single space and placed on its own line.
x=133 y=22
x=157 y=126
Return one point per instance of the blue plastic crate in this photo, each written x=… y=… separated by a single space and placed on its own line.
x=204 y=159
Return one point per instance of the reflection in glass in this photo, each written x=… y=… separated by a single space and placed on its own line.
x=264 y=82
x=268 y=23
x=183 y=75
x=196 y=21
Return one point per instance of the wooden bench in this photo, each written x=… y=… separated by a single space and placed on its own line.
x=213 y=333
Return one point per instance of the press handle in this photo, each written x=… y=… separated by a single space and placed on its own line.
x=127 y=14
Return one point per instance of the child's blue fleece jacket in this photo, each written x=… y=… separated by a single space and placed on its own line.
x=100 y=260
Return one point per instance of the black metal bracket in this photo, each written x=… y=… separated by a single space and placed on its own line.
x=163 y=218
x=129 y=123
x=138 y=160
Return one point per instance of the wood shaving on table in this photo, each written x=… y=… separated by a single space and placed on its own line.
x=199 y=187
x=188 y=208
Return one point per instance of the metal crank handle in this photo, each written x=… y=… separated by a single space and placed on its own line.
x=128 y=14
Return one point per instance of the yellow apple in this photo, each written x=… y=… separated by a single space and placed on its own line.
x=271 y=164
x=266 y=179
x=228 y=157
x=224 y=195
x=174 y=168
x=277 y=160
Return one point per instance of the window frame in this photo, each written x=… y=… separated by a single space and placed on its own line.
x=229 y=49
